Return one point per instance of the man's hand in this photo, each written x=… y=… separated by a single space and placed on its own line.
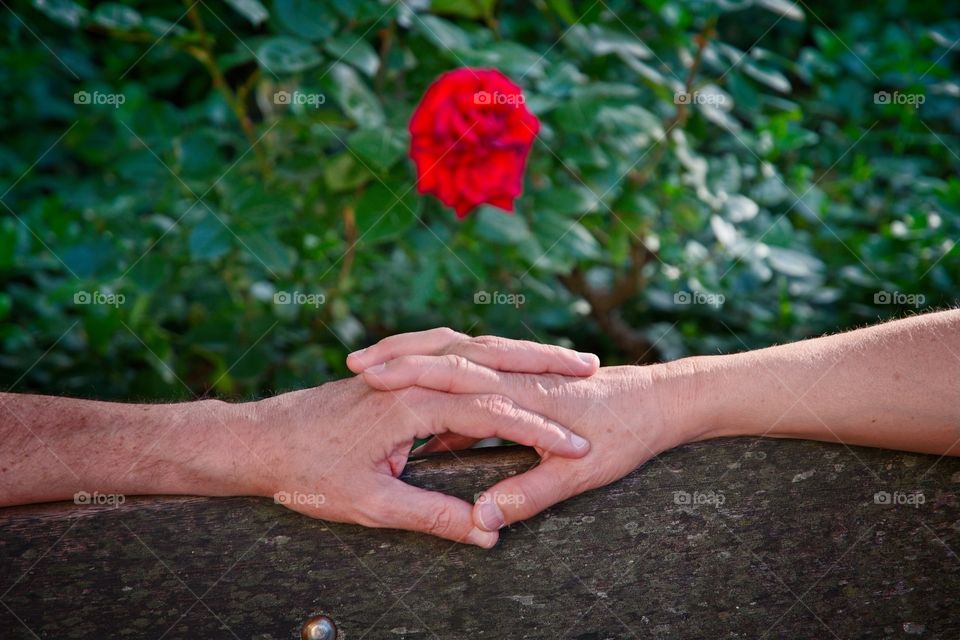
x=336 y=451
x=895 y=385
x=628 y=414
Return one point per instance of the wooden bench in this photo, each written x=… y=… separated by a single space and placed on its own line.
x=739 y=538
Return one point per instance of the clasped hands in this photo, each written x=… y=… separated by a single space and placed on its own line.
x=348 y=441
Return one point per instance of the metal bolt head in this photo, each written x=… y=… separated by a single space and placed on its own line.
x=318 y=628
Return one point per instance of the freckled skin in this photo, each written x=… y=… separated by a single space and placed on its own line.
x=333 y=452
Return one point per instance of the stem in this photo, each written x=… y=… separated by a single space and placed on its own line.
x=386 y=43
x=605 y=305
x=351 y=239
x=207 y=58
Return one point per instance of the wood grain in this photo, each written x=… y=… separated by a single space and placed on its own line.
x=780 y=539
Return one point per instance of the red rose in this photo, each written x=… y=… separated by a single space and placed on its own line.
x=469 y=137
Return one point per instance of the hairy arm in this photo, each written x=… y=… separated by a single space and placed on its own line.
x=333 y=452
x=55 y=447
x=895 y=385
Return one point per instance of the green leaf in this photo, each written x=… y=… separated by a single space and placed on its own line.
x=163 y=28
x=380 y=216
x=782 y=7
x=353 y=96
x=66 y=12
x=769 y=77
x=8 y=242
x=116 y=16
x=794 y=263
x=443 y=33
x=343 y=172
x=209 y=239
x=379 y=148
x=260 y=207
x=565 y=239
x=284 y=54
x=501 y=227
x=252 y=10
x=265 y=249
x=739 y=208
x=564 y=9
x=89 y=258
x=354 y=51
x=560 y=201
x=470 y=9
x=309 y=19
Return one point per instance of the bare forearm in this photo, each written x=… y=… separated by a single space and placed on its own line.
x=54 y=447
x=894 y=385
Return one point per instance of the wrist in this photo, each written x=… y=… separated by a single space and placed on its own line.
x=223 y=449
x=696 y=404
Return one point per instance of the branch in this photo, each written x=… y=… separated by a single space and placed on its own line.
x=205 y=55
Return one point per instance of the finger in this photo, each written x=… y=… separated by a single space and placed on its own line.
x=489 y=415
x=407 y=507
x=502 y=354
x=445 y=442
x=523 y=496
x=425 y=342
x=523 y=356
x=448 y=373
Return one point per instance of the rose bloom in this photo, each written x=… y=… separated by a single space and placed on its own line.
x=470 y=137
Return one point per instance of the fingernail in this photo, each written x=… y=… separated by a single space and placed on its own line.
x=357 y=353
x=377 y=368
x=489 y=514
x=577 y=441
x=481 y=538
x=589 y=358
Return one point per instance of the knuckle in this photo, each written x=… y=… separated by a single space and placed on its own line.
x=489 y=342
x=440 y=521
x=495 y=404
x=534 y=385
x=456 y=362
x=448 y=333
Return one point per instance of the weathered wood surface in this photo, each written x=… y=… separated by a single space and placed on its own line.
x=799 y=548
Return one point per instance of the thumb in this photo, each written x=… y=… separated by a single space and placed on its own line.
x=407 y=507
x=524 y=495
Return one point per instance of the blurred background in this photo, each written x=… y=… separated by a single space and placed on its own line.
x=215 y=198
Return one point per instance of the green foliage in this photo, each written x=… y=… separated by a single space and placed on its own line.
x=185 y=168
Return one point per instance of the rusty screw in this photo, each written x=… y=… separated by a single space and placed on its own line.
x=318 y=628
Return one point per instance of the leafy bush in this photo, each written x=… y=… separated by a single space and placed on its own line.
x=708 y=176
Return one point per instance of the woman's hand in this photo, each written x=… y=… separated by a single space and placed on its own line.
x=335 y=452
x=502 y=354
x=629 y=414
